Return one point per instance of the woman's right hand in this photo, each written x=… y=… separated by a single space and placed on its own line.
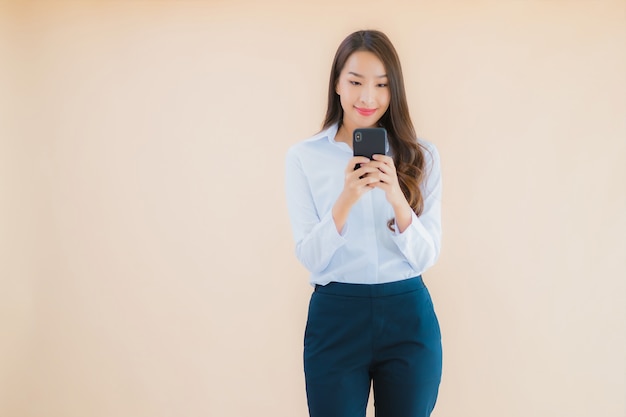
x=356 y=183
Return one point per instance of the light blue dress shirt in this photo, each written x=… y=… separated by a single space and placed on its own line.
x=366 y=251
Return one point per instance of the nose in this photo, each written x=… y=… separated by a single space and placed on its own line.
x=368 y=95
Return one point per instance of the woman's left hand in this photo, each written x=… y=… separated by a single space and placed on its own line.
x=387 y=179
x=388 y=182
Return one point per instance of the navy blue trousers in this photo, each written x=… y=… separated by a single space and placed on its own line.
x=381 y=335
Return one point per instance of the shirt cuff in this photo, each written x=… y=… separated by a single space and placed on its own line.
x=414 y=220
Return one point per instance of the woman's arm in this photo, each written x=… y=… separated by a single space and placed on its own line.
x=318 y=236
x=420 y=242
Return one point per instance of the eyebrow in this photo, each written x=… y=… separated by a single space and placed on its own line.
x=360 y=76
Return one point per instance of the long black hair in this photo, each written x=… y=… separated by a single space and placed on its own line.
x=408 y=154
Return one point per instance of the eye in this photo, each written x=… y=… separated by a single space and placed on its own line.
x=383 y=85
x=354 y=82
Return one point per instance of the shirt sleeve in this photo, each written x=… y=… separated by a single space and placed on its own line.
x=420 y=243
x=316 y=237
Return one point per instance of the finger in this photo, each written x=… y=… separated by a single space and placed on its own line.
x=386 y=161
x=355 y=161
x=373 y=177
x=363 y=171
x=383 y=168
x=384 y=178
x=381 y=185
x=378 y=165
x=368 y=181
x=383 y=158
x=387 y=179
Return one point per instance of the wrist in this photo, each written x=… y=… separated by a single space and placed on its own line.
x=401 y=206
x=340 y=212
x=403 y=216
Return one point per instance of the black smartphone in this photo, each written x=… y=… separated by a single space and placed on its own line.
x=369 y=141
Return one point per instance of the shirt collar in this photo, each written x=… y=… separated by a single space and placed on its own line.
x=331 y=133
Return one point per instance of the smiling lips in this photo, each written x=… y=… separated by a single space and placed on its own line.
x=365 y=112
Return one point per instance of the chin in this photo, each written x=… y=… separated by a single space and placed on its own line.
x=371 y=121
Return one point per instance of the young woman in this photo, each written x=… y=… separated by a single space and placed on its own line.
x=366 y=236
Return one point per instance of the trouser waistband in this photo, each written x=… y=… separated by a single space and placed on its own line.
x=371 y=290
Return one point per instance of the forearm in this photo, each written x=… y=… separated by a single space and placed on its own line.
x=340 y=212
x=403 y=215
x=316 y=248
x=420 y=243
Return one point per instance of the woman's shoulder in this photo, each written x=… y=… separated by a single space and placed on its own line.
x=428 y=146
x=431 y=153
x=312 y=142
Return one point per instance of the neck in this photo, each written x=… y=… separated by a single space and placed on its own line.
x=344 y=134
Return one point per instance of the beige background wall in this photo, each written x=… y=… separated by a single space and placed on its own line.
x=146 y=261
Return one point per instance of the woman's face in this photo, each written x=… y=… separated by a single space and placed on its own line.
x=363 y=90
